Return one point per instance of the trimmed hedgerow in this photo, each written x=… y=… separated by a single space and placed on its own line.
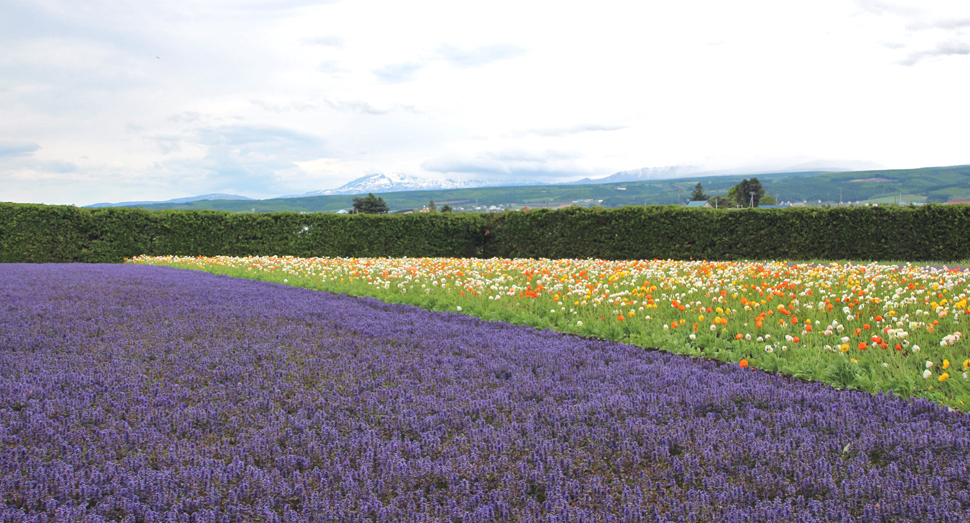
x=39 y=233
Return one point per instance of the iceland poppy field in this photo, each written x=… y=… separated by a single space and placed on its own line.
x=137 y=393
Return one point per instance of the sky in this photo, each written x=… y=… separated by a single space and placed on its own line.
x=107 y=101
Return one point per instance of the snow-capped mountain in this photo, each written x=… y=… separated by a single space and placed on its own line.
x=394 y=182
x=646 y=173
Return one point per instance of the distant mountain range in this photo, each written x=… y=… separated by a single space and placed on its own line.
x=204 y=197
x=924 y=185
x=393 y=182
x=677 y=171
x=383 y=183
x=639 y=175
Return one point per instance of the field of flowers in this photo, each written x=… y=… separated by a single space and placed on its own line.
x=869 y=327
x=133 y=393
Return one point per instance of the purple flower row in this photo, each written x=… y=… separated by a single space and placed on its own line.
x=135 y=393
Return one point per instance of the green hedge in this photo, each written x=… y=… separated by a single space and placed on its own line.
x=42 y=233
x=54 y=233
x=926 y=233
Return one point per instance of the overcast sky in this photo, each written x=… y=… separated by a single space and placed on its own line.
x=124 y=100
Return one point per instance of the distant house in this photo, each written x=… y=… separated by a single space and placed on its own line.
x=698 y=203
x=526 y=208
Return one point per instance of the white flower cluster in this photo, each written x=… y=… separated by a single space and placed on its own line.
x=951 y=339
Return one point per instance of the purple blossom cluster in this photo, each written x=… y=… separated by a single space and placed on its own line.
x=139 y=394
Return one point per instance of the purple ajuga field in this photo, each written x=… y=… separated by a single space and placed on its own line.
x=135 y=393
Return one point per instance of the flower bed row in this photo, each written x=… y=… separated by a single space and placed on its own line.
x=871 y=327
x=132 y=393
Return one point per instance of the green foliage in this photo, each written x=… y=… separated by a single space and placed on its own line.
x=748 y=193
x=931 y=232
x=370 y=204
x=39 y=233
x=432 y=207
x=768 y=199
x=55 y=233
x=722 y=202
x=446 y=208
x=697 y=195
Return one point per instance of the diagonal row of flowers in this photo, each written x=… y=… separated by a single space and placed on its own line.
x=776 y=306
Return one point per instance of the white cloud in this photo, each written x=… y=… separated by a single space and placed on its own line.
x=880 y=7
x=950 y=48
x=261 y=97
x=283 y=107
x=396 y=73
x=358 y=106
x=509 y=162
x=251 y=156
x=326 y=41
x=479 y=56
x=331 y=67
x=576 y=129
x=9 y=149
x=450 y=55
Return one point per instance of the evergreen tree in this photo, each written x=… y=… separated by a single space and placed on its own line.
x=698 y=194
x=432 y=207
x=370 y=204
x=446 y=208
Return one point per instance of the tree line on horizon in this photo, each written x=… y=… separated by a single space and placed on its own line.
x=371 y=204
x=747 y=193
